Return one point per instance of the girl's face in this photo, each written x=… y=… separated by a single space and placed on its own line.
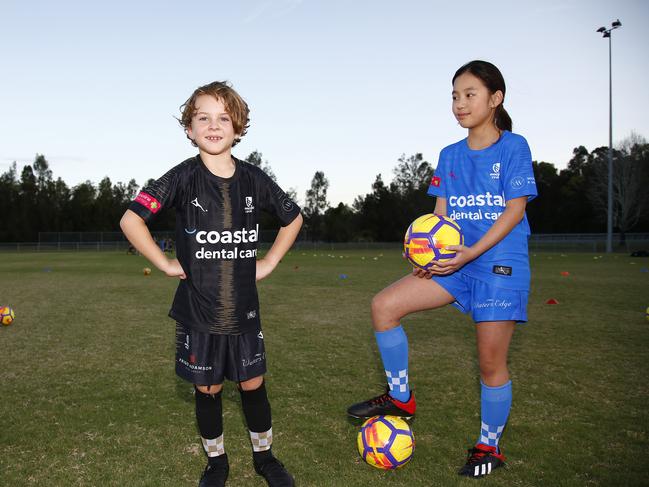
x=473 y=105
x=211 y=128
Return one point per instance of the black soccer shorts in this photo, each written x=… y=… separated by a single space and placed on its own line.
x=206 y=359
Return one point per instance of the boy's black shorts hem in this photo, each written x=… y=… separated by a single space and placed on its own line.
x=206 y=359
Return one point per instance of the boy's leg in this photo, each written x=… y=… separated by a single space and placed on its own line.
x=256 y=409
x=407 y=295
x=209 y=416
x=493 y=339
x=199 y=360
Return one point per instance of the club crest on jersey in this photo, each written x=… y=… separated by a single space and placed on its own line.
x=249 y=206
x=436 y=181
x=495 y=171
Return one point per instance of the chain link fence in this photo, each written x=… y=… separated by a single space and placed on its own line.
x=115 y=241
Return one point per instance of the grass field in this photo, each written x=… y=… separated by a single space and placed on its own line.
x=88 y=395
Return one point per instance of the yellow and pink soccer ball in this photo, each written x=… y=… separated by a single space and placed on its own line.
x=7 y=315
x=386 y=442
x=427 y=239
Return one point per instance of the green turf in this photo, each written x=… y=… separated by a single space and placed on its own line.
x=88 y=395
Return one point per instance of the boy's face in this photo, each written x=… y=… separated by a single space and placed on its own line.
x=211 y=128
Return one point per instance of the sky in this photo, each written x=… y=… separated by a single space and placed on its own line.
x=339 y=86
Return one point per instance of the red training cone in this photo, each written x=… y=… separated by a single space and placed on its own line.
x=552 y=301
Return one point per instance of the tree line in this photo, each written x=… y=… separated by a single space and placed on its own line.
x=571 y=200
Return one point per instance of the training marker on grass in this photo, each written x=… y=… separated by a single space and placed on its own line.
x=552 y=301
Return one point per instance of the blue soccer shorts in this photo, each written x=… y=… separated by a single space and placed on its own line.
x=484 y=301
x=206 y=359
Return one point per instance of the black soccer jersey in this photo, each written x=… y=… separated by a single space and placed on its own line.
x=217 y=232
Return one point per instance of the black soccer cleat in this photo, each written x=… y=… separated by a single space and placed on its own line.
x=384 y=405
x=274 y=472
x=482 y=460
x=216 y=473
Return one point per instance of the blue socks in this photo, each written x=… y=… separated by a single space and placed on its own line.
x=393 y=346
x=494 y=408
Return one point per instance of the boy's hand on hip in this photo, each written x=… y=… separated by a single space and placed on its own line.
x=174 y=269
x=264 y=268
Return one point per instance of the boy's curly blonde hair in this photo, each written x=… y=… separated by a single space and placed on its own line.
x=236 y=107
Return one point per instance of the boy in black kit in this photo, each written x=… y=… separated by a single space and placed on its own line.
x=218 y=330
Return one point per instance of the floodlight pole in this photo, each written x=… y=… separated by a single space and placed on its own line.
x=609 y=218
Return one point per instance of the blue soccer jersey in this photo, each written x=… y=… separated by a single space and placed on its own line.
x=476 y=185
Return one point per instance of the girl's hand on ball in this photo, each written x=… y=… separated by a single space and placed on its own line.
x=463 y=255
x=416 y=271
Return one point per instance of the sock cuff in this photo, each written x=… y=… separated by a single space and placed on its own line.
x=496 y=388
x=202 y=395
x=256 y=395
x=261 y=441
x=213 y=446
x=391 y=338
x=496 y=393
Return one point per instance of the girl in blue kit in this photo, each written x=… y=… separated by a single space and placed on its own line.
x=484 y=183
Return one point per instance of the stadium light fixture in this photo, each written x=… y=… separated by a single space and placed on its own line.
x=606 y=33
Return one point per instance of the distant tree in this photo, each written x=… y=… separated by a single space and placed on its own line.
x=381 y=215
x=542 y=210
x=339 y=224
x=570 y=197
x=60 y=198
x=9 y=203
x=315 y=206
x=630 y=182
x=292 y=193
x=80 y=207
x=29 y=221
x=123 y=194
x=411 y=173
x=387 y=211
x=256 y=159
x=316 y=197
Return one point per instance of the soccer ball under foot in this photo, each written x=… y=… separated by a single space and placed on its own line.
x=386 y=442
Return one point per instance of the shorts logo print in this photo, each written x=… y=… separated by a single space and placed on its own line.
x=247 y=362
x=494 y=303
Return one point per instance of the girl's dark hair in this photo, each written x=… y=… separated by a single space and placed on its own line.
x=493 y=79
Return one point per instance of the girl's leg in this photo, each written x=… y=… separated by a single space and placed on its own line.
x=493 y=339
x=407 y=295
